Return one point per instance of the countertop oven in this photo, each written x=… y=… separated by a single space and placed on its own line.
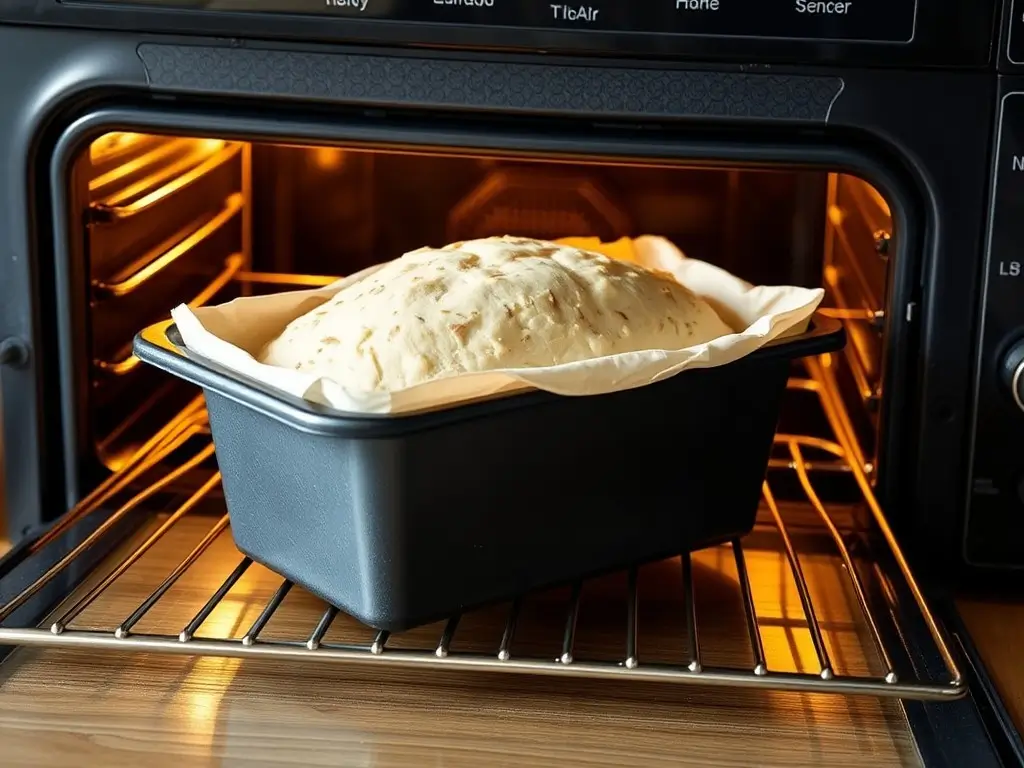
x=167 y=151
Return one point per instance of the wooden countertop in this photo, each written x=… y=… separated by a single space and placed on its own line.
x=60 y=707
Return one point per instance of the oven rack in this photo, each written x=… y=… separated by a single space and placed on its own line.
x=145 y=194
x=912 y=656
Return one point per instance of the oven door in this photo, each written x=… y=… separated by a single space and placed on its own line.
x=814 y=623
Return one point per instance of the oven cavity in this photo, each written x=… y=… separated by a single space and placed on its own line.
x=163 y=220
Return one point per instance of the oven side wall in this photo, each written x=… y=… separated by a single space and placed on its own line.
x=939 y=126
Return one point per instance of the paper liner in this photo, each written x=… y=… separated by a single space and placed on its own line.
x=233 y=334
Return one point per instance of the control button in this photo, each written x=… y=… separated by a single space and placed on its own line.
x=1012 y=372
x=466 y=3
x=13 y=352
x=575 y=12
x=698 y=5
x=353 y=5
x=827 y=7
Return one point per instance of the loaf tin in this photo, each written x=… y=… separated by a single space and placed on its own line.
x=400 y=520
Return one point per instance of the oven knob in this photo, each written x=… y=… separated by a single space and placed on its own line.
x=13 y=353
x=1013 y=372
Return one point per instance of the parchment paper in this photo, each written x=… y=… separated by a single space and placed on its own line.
x=233 y=334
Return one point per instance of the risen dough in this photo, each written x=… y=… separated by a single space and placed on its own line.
x=486 y=304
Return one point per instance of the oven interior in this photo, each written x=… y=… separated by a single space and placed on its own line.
x=175 y=219
x=806 y=600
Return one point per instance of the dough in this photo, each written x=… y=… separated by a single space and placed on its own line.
x=500 y=302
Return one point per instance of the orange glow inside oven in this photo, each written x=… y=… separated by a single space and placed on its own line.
x=176 y=219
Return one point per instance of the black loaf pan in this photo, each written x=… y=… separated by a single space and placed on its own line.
x=403 y=520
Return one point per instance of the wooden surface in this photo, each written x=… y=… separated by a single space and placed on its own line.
x=61 y=707
x=996 y=627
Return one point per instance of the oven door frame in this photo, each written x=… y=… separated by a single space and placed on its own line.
x=380 y=133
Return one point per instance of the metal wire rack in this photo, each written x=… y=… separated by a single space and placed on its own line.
x=897 y=626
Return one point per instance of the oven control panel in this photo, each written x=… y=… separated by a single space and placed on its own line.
x=994 y=525
x=850 y=20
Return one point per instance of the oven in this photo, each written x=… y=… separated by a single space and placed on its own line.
x=161 y=152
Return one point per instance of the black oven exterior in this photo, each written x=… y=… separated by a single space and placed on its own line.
x=920 y=111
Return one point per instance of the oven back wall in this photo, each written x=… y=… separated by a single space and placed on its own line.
x=59 y=69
